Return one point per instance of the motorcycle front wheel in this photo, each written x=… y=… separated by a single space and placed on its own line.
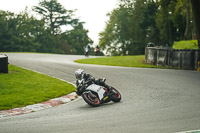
x=91 y=98
x=116 y=96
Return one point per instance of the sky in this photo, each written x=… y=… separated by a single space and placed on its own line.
x=92 y=12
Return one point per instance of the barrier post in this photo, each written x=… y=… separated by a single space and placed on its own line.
x=3 y=63
x=198 y=67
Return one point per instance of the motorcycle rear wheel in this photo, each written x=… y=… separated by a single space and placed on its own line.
x=93 y=101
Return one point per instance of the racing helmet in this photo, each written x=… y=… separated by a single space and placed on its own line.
x=79 y=74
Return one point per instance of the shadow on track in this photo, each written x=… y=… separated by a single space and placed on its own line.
x=103 y=106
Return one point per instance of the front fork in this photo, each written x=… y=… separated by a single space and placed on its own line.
x=91 y=95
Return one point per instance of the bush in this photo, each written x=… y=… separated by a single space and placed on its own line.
x=190 y=44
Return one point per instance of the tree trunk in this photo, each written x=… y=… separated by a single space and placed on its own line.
x=187 y=29
x=196 y=12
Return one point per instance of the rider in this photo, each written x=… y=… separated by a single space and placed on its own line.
x=87 y=50
x=80 y=74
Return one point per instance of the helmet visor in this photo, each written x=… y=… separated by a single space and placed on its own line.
x=79 y=76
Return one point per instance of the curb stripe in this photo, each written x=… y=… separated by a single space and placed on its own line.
x=40 y=106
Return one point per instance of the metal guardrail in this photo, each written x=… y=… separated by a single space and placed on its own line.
x=184 y=59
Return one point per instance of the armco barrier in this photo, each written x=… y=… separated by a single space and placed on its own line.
x=151 y=55
x=184 y=59
x=162 y=57
x=197 y=60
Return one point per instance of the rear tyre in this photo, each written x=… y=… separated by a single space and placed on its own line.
x=116 y=96
x=91 y=100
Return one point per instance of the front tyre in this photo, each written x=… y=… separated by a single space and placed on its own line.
x=116 y=96
x=91 y=99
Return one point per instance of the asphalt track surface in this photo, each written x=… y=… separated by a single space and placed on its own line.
x=153 y=100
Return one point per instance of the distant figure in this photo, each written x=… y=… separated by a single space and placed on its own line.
x=97 y=50
x=150 y=44
x=87 y=50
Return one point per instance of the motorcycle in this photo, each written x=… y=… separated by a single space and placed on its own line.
x=96 y=51
x=95 y=95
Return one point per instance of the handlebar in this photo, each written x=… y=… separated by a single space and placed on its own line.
x=83 y=85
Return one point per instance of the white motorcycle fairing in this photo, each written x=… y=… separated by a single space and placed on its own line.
x=98 y=89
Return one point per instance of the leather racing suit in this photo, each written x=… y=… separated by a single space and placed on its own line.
x=96 y=81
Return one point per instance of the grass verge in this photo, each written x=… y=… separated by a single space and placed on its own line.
x=126 y=61
x=21 y=87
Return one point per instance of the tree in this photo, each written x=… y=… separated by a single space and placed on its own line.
x=187 y=29
x=196 y=12
x=77 y=38
x=54 y=14
x=28 y=29
x=170 y=20
x=116 y=35
x=183 y=9
x=5 y=32
x=19 y=32
x=24 y=33
x=125 y=32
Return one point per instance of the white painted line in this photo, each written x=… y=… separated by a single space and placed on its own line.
x=191 y=131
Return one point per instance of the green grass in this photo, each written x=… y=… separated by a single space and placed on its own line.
x=22 y=87
x=190 y=44
x=126 y=61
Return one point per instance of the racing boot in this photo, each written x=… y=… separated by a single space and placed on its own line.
x=102 y=82
x=108 y=88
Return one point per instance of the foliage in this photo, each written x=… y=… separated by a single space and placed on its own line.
x=135 y=23
x=78 y=38
x=24 y=33
x=54 y=14
x=19 y=32
x=131 y=26
x=189 y=44
x=22 y=87
x=170 y=21
x=115 y=32
x=196 y=12
x=125 y=32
